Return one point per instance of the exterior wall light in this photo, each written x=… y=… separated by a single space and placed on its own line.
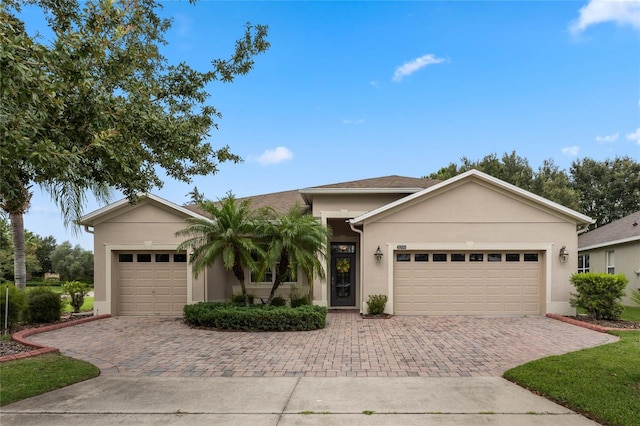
x=378 y=254
x=564 y=254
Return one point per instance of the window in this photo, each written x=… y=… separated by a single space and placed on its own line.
x=162 y=257
x=403 y=257
x=531 y=257
x=512 y=257
x=476 y=257
x=458 y=257
x=611 y=262
x=180 y=257
x=143 y=257
x=439 y=257
x=421 y=257
x=125 y=257
x=494 y=257
x=583 y=263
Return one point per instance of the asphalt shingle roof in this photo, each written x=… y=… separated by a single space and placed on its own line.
x=283 y=201
x=621 y=229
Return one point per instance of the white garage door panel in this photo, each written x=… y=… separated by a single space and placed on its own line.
x=468 y=288
x=151 y=288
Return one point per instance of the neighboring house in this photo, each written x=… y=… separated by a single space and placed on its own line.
x=470 y=245
x=613 y=248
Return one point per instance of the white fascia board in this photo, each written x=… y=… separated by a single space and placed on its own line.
x=124 y=202
x=578 y=217
x=610 y=243
x=308 y=193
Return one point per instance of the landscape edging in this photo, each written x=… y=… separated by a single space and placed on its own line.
x=20 y=337
x=579 y=323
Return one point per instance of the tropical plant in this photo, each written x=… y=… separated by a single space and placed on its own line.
x=295 y=241
x=76 y=292
x=229 y=233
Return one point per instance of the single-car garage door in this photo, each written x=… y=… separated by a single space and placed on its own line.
x=151 y=283
x=468 y=283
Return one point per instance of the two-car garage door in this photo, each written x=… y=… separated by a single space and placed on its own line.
x=468 y=283
x=151 y=283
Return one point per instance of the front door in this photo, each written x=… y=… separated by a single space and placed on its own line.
x=343 y=274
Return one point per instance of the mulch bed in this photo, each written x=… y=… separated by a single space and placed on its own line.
x=617 y=324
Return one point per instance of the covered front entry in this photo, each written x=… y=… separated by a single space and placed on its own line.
x=343 y=274
x=150 y=283
x=468 y=283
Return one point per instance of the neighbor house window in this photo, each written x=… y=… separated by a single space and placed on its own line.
x=611 y=262
x=583 y=263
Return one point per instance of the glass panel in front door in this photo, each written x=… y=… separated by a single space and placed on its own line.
x=343 y=275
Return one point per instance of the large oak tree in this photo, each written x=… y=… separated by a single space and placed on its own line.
x=96 y=106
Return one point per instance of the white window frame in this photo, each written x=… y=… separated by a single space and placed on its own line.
x=610 y=261
x=585 y=263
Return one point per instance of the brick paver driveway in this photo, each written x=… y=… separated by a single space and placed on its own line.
x=348 y=346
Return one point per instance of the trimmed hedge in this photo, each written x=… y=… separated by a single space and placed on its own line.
x=599 y=294
x=227 y=316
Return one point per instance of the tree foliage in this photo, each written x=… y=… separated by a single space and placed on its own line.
x=609 y=189
x=603 y=190
x=549 y=181
x=96 y=106
x=72 y=263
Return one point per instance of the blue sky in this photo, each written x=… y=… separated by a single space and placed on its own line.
x=353 y=90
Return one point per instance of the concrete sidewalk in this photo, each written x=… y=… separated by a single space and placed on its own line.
x=290 y=401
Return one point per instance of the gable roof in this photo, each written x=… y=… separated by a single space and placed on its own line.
x=91 y=218
x=573 y=215
x=623 y=230
x=281 y=202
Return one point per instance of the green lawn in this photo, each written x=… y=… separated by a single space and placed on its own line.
x=602 y=383
x=631 y=313
x=45 y=373
x=86 y=306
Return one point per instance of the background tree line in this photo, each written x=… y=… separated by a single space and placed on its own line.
x=44 y=255
x=603 y=190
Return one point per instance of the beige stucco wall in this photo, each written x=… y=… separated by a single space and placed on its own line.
x=627 y=261
x=146 y=226
x=471 y=216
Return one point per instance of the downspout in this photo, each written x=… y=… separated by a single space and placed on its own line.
x=361 y=251
x=86 y=228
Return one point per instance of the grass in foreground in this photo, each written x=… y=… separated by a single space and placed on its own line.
x=631 y=313
x=33 y=376
x=602 y=383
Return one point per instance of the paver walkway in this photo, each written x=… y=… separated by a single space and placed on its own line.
x=349 y=346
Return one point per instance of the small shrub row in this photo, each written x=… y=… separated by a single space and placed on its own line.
x=229 y=316
x=599 y=294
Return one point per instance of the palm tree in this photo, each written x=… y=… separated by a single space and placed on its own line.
x=230 y=233
x=295 y=241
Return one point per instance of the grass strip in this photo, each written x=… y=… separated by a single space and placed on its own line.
x=602 y=383
x=33 y=376
x=631 y=313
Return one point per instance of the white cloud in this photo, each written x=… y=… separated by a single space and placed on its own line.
x=275 y=156
x=635 y=136
x=622 y=12
x=608 y=138
x=359 y=121
x=571 y=151
x=410 y=67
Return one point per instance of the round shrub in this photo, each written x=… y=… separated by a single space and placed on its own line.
x=17 y=304
x=599 y=294
x=278 y=301
x=45 y=306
